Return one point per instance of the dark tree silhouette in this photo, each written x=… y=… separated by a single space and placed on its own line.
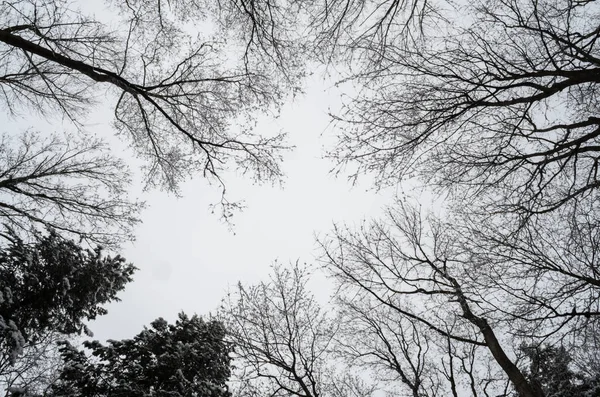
x=497 y=106
x=182 y=103
x=48 y=289
x=411 y=268
x=71 y=185
x=550 y=368
x=283 y=340
x=187 y=358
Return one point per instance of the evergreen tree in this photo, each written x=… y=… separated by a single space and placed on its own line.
x=551 y=371
x=188 y=358
x=53 y=285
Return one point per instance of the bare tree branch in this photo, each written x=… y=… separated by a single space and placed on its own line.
x=70 y=185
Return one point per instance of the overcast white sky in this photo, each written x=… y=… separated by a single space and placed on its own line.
x=188 y=258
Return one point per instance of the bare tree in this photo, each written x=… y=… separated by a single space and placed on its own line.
x=498 y=106
x=184 y=106
x=282 y=340
x=68 y=184
x=544 y=281
x=411 y=268
x=373 y=339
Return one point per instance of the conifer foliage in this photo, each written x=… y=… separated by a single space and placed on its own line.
x=551 y=369
x=53 y=285
x=188 y=358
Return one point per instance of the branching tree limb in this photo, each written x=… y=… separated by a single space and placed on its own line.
x=67 y=184
x=411 y=268
x=283 y=340
x=177 y=102
x=499 y=108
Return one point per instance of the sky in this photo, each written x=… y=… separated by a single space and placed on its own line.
x=188 y=258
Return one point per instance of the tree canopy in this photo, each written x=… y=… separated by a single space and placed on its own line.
x=49 y=289
x=550 y=368
x=187 y=358
x=283 y=340
x=496 y=104
x=186 y=79
x=492 y=103
x=53 y=285
x=70 y=184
